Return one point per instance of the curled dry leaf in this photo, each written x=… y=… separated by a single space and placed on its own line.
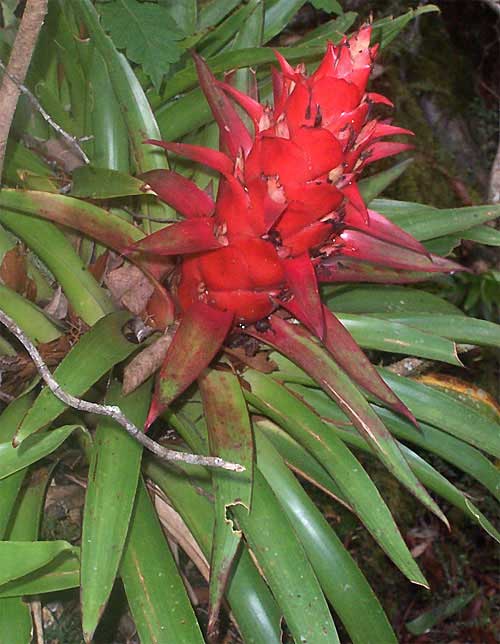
x=58 y=305
x=130 y=287
x=13 y=273
x=18 y=370
x=146 y=362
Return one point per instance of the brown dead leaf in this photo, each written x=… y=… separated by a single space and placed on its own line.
x=17 y=370
x=130 y=287
x=146 y=362
x=99 y=267
x=259 y=361
x=58 y=151
x=58 y=305
x=176 y=529
x=13 y=270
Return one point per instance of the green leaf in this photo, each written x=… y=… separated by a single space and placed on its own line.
x=301 y=461
x=62 y=573
x=372 y=186
x=154 y=588
x=147 y=32
x=15 y=621
x=386 y=299
x=95 y=222
x=374 y=333
x=426 y=621
x=343 y=583
x=443 y=245
x=447 y=413
x=102 y=183
x=386 y=29
x=459 y=328
x=230 y=437
x=215 y=39
x=214 y=11
x=110 y=143
x=13 y=459
x=278 y=14
x=19 y=558
x=91 y=358
x=312 y=357
x=87 y=298
x=483 y=235
x=134 y=105
x=252 y=605
x=187 y=78
x=11 y=485
x=426 y=222
x=300 y=421
x=281 y=556
x=28 y=316
x=112 y=484
x=330 y=6
x=451 y=449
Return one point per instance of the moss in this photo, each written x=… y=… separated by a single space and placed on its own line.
x=426 y=63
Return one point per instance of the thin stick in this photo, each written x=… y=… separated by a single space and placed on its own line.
x=111 y=411
x=72 y=141
x=20 y=58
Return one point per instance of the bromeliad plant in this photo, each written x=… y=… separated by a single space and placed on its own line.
x=260 y=364
x=288 y=211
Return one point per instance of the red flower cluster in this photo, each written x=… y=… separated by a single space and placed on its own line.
x=287 y=199
x=288 y=214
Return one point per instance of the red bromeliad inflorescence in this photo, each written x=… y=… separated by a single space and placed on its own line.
x=288 y=211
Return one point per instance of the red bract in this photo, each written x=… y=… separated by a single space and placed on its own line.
x=287 y=205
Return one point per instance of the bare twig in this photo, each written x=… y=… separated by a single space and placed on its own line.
x=20 y=58
x=72 y=141
x=111 y=411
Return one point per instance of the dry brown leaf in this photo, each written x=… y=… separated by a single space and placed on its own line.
x=175 y=528
x=146 y=362
x=58 y=151
x=259 y=361
x=130 y=287
x=58 y=305
x=13 y=270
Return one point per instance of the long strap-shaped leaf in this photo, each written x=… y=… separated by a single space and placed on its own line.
x=272 y=538
x=105 y=227
x=342 y=581
x=230 y=437
x=451 y=449
x=299 y=420
x=447 y=413
x=94 y=355
x=300 y=347
x=355 y=363
x=155 y=591
x=112 y=483
x=253 y=607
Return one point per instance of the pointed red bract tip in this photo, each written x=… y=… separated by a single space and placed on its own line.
x=155 y=410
